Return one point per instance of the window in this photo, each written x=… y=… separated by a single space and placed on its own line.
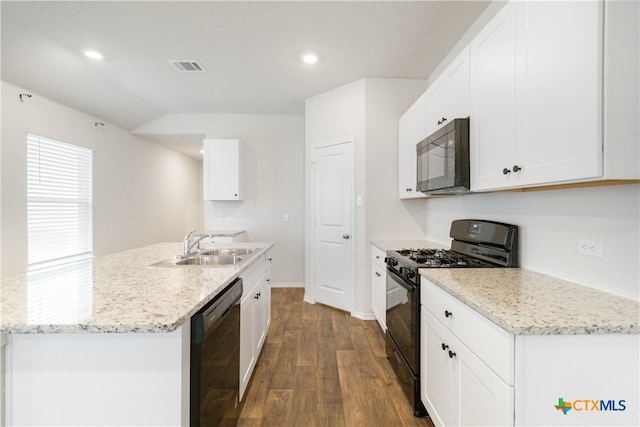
x=59 y=200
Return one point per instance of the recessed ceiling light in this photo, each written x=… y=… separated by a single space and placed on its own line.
x=310 y=58
x=93 y=54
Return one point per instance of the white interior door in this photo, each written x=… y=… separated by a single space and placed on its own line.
x=333 y=248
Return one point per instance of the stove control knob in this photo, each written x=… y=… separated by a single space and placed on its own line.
x=410 y=273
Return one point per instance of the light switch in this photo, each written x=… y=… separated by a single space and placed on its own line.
x=285 y=218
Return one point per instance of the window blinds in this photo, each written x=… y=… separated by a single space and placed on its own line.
x=59 y=199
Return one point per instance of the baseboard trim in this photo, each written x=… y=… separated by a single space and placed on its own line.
x=287 y=285
x=363 y=316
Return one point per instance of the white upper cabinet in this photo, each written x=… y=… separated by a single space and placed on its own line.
x=448 y=96
x=411 y=130
x=222 y=169
x=492 y=125
x=536 y=95
x=559 y=91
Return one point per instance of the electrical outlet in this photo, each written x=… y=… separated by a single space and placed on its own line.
x=591 y=248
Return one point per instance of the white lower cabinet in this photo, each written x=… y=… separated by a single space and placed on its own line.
x=255 y=317
x=475 y=373
x=458 y=388
x=467 y=363
x=379 y=286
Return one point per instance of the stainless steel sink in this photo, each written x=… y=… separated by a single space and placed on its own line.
x=210 y=260
x=226 y=251
x=210 y=257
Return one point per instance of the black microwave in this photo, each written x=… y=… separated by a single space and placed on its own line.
x=443 y=160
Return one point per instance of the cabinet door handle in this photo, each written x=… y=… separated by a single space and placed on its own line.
x=409 y=190
x=444 y=346
x=269 y=259
x=378 y=274
x=269 y=280
x=516 y=168
x=451 y=354
x=442 y=120
x=257 y=296
x=506 y=171
x=345 y=236
x=447 y=313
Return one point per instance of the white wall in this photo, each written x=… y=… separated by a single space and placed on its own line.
x=274 y=182
x=551 y=222
x=388 y=217
x=143 y=193
x=366 y=111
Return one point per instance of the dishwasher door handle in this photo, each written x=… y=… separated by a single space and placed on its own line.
x=215 y=311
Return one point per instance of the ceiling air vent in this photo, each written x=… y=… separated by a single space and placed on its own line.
x=187 y=66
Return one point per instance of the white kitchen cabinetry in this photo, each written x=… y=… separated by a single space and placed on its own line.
x=466 y=373
x=448 y=97
x=222 y=169
x=379 y=286
x=255 y=317
x=492 y=90
x=536 y=95
x=411 y=130
x=494 y=378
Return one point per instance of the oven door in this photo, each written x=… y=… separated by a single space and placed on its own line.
x=402 y=316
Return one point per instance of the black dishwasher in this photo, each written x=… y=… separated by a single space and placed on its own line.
x=215 y=360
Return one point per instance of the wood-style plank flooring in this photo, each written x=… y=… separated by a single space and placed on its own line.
x=322 y=367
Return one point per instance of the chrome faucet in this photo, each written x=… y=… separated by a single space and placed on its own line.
x=188 y=245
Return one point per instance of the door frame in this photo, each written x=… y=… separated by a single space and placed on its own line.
x=310 y=234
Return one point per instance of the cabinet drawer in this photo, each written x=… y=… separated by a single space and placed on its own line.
x=492 y=344
x=377 y=256
x=252 y=275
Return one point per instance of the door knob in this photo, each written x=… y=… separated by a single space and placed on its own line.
x=345 y=236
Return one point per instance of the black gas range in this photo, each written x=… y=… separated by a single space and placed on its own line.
x=475 y=244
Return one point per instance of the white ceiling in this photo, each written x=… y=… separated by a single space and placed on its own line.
x=250 y=50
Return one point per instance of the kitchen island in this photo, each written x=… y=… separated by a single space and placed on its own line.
x=106 y=341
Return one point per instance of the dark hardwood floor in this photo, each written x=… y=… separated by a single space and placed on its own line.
x=322 y=367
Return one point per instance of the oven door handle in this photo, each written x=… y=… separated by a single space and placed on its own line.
x=399 y=280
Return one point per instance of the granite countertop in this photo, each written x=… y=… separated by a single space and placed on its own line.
x=393 y=245
x=524 y=302
x=121 y=292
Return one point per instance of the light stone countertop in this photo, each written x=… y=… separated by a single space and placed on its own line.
x=115 y=293
x=393 y=245
x=525 y=302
